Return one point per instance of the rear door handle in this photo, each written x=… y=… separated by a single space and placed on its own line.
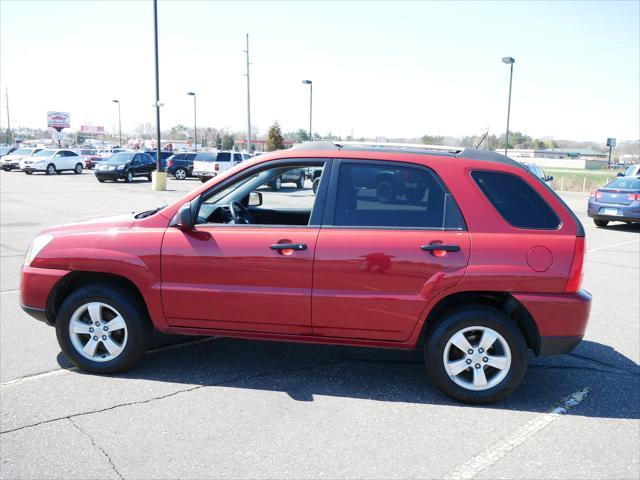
x=434 y=246
x=288 y=246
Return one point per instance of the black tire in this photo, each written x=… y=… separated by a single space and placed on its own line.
x=601 y=223
x=385 y=192
x=101 y=180
x=482 y=316
x=276 y=185
x=205 y=179
x=128 y=177
x=51 y=169
x=28 y=172
x=300 y=182
x=180 y=174
x=132 y=310
x=316 y=184
x=78 y=169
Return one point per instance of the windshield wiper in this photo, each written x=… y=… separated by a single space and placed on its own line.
x=148 y=213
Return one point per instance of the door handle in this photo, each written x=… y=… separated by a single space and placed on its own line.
x=432 y=247
x=288 y=246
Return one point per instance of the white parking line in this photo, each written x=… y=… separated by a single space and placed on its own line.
x=9 y=291
x=613 y=245
x=498 y=451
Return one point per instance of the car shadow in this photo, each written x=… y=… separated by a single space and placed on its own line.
x=623 y=227
x=305 y=371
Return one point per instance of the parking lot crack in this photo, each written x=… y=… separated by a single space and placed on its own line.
x=102 y=450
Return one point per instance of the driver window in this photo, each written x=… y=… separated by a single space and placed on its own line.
x=273 y=196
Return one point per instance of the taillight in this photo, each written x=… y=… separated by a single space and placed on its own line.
x=598 y=194
x=170 y=163
x=575 y=273
x=217 y=167
x=633 y=197
x=593 y=194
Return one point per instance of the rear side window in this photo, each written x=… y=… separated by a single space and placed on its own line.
x=517 y=202
x=224 y=157
x=385 y=195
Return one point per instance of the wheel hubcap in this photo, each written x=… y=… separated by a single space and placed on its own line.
x=477 y=358
x=180 y=174
x=87 y=321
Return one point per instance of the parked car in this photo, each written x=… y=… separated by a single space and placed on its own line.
x=538 y=172
x=485 y=268
x=12 y=160
x=297 y=177
x=90 y=157
x=210 y=164
x=164 y=155
x=631 y=171
x=617 y=201
x=180 y=165
x=52 y=161
x=125 y=166
x=6 y=150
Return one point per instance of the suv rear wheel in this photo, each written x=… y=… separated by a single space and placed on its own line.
x=180 y=174
x=600 y=223
x=476 y=354
x=102 y=328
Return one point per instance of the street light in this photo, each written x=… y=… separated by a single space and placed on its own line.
x=195 y=130
x=310 y=83
x=509 y=61
x=119 y=123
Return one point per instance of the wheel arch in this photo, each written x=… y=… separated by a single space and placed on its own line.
x=503 y=301
x=76 y=279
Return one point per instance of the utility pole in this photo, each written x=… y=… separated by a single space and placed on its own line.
x=160 y=177
x=248 y=100
x=9 y=136
x=509 y=61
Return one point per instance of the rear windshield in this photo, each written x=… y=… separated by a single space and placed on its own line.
x=516 y=201
x=624 y=183
x=205 y=157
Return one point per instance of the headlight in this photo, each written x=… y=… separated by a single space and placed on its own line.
x=37 y=244
x=119 y=167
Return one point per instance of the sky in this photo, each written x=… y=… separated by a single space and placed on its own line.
x=392 y=69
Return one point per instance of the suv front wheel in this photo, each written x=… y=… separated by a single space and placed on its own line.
x=476 y=354
x=102 y=328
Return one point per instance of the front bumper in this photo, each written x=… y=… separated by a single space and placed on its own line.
x=110 y=174
x=10 y=165
x=561 y=319
x=36 y=285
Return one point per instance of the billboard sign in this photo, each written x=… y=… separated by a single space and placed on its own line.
x=91 y=129
x=611 y=142
x=58 y=120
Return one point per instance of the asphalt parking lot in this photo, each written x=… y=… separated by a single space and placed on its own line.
x=222 y=408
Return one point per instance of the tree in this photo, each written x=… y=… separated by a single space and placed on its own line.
x=432 y=140
x=274 y=138
x=227 y=142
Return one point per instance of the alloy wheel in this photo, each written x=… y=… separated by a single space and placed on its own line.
x=98 y=332
x=477 y=358
x=180 y=174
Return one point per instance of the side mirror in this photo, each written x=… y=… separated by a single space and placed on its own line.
x=255 y=199
x=549 y=178
x=184 y=218
x=620 y=174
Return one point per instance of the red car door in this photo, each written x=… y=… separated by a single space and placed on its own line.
x=239 y=278
x=392 y=239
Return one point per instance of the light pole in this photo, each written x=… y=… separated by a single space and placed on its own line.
x=195 y=128
x=310 y=83
x=119 y=123
x=160 y=177
x=509 y=61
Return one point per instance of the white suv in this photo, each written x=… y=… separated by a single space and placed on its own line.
x=207 y=165
x=52 y=161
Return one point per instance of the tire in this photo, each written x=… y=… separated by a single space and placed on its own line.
x=276 y=185
x=316 y=184
x=101 y=180
x=385 y=192
x=149 y=178
x=129 y=177
x=78 y=169
x=28 y=173
x=601 y=223
x=508 y=349
x=205 y=179
x=51 y=169
x=300 y=182
x=180 y=174
x=128 y=344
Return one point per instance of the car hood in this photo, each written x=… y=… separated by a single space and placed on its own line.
x=95 y=224
x=13 y=157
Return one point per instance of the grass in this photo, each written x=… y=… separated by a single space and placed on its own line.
x=579 y=181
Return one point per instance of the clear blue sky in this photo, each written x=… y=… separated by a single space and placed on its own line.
x=388 y=69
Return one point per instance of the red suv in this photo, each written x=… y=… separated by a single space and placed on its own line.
x=462 y=253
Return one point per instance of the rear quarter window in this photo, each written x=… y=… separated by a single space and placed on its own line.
x=518 y=203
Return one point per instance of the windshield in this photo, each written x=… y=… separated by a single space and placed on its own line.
x=87 y=152
x=22 y=151
x=121 y=157
x=625 y=183
x=45 y=153
x=629 y=170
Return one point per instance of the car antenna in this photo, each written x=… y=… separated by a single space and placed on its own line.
x=481 y=140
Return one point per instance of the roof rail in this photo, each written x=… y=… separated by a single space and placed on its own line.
x=409 y=146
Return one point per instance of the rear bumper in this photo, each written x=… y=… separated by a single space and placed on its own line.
x=202 y=173
x=625 y=213
x=561 y=319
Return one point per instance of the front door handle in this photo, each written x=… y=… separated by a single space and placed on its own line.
x=288 y=246
x=432 y=247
